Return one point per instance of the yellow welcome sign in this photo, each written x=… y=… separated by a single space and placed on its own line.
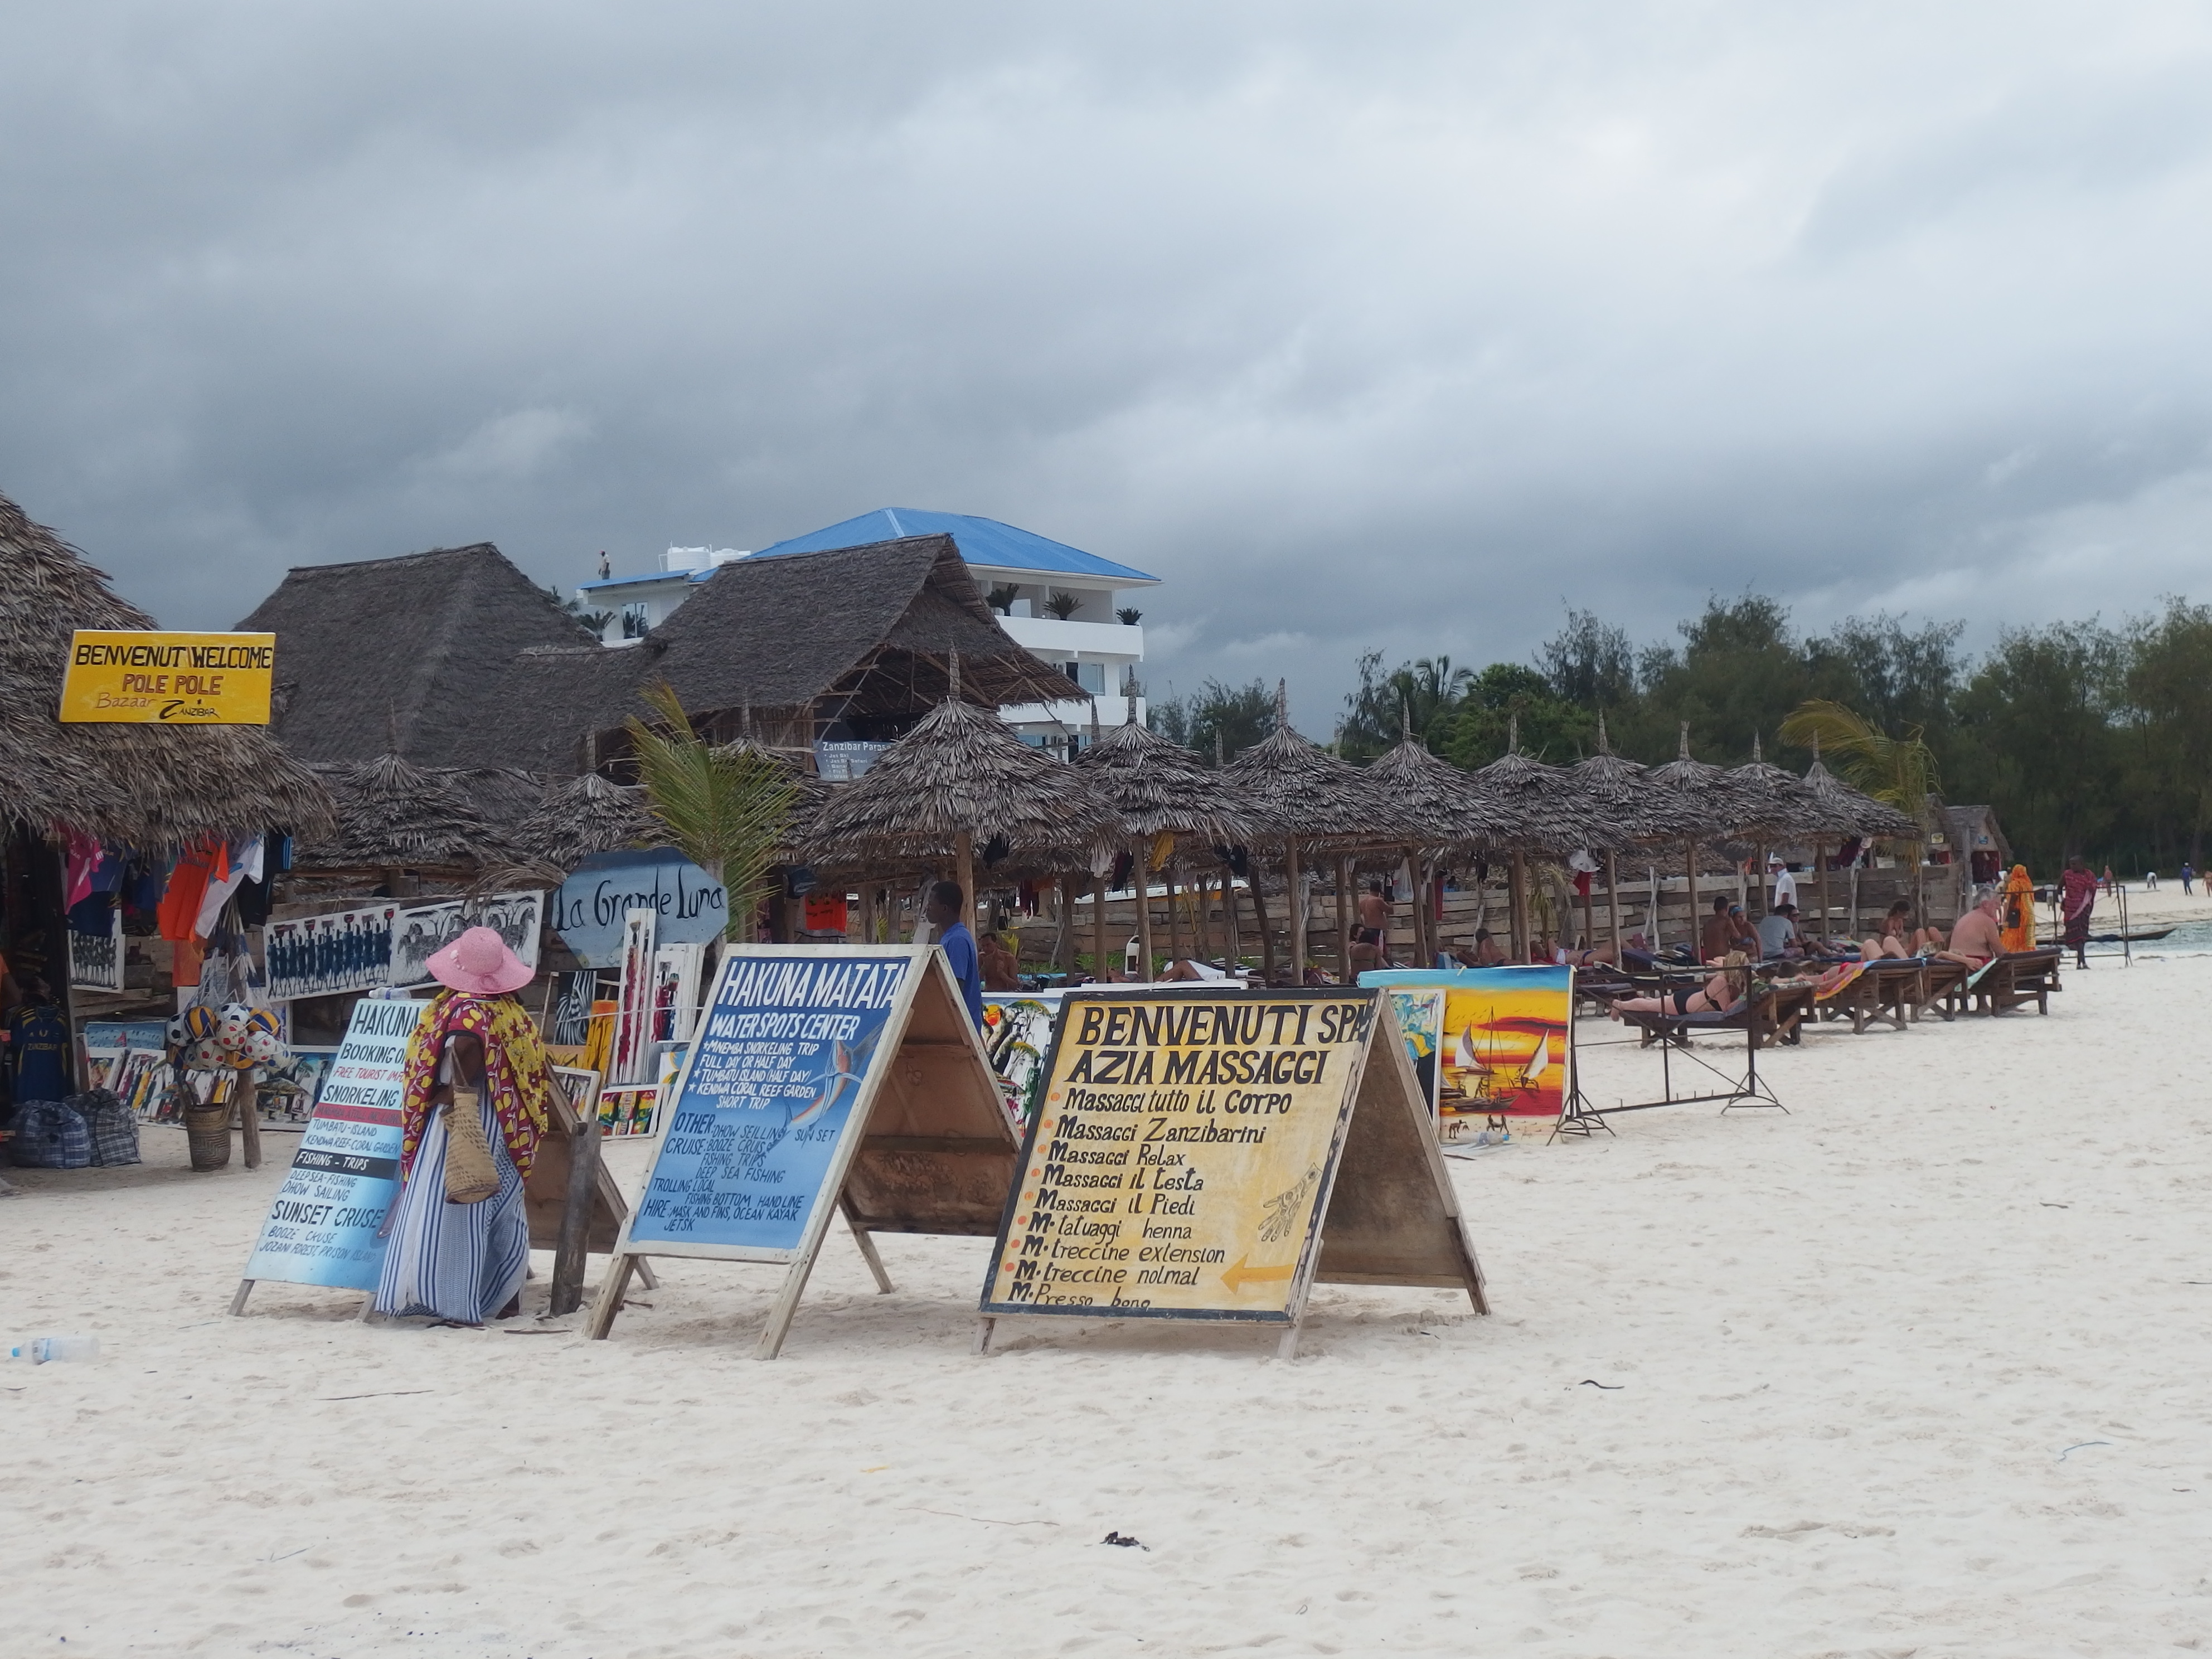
x=168 y=680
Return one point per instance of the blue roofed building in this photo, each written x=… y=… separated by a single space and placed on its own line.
x=1065 y=605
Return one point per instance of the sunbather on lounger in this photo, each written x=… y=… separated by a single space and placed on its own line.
x=1976 y=939
x=1716 y=996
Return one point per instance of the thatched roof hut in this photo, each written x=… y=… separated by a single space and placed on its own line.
x=1700 y=790
x=411 y=656
x=960 y=783
x=1293 y=789
x=455 y=658
x=1451 y=808
x=151 y=785
x=1542 y=809
x=393 y=815
x=1767 y=803
x=1624 y=793
x=582 y=816
x=1158 y=786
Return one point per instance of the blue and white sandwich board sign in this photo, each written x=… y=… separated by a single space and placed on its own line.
x=821 y=1078
x=325 y=1224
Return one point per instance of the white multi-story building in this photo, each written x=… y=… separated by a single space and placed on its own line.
x=1071 y=608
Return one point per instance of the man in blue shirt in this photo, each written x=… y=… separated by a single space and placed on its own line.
x=944 y=907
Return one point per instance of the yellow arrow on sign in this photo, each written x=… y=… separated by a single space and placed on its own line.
x=1236 y=1275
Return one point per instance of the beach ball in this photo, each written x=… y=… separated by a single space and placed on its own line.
x=198 y=1022
x=263 y=1048
x=265 y=1020
x=231 y=1024
x=205 y=1055
x=179 y=1036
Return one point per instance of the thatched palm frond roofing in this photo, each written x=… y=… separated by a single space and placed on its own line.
x=1769 y=804
x=585 y=816
x=1847 y=811
x=1543 y=808
x=410 y=655
x=1701 y=791
x=1623 y=794
x=153 y=785
x=875 y=626
x=1158 y=786
x=1447 y=802
x=1295 y=790
x=392 y=815
x=960 y=770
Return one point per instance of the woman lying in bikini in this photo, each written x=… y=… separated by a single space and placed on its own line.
x=1716 y=996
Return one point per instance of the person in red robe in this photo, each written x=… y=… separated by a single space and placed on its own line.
x=2077 y=897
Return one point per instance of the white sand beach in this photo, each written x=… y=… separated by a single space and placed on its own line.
x=1921 y=1367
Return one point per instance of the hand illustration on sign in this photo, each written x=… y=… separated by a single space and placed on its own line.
x=1286 y=1210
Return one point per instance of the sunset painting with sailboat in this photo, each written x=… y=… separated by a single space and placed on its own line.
x=1504 y=1049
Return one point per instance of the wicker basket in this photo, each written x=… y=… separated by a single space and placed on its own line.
x=207 y=1135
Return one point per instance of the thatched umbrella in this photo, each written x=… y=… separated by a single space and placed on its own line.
x=154 y=787
x=1544 y=810
x=1709 y=807
x=1622 y=792
x=583 y=818
x=1159 y=788
x=961 y=776
x=1299 y=795
x=393 y=816
x=1841 y=810
x=1769 y=804
x=1448 y=805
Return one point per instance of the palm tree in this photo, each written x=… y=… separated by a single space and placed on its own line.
x=724 y=806
x=1898 y=772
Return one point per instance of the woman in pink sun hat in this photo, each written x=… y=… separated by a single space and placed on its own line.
x=461 y=1255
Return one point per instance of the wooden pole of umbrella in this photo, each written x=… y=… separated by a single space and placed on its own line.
x=1296 y=898
x=1140 y=882
x=1345 y=900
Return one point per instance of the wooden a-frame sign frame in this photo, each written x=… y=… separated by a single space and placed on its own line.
x=927 y=1147
x=1389 y=1214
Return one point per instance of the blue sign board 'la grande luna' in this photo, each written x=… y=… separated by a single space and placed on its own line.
x=323 y=1224
x=591 y=906
x=774 y=1073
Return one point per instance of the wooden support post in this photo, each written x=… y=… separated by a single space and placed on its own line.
x=867 y=913
x=1612 y=901
x=1098 y=970
x=1203 y=920
x=245 y=1290
x=1345 y=899
x=612 y=1289
x=1696 y=925
x=1296 y=898
x=1174 y=920
x=1230 y=929
x=865 y=1240
x=1267 y=933
x=963 y=872
x=249 y=1112
x=1068 y=940
x=1140 y=882
x=1820 y=877
x=1517 y=906
x=575 y=1218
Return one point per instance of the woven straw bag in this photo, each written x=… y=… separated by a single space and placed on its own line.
x=470 y=1175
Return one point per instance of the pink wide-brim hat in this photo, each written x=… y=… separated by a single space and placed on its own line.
x=479 y=963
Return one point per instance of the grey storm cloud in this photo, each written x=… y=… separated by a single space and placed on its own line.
x=1396 y=327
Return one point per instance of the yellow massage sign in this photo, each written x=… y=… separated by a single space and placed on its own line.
x=168 y=680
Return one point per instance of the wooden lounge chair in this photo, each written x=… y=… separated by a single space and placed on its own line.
x=2014 y=979
x=1940 y=984
x=1885 y=989
x=1754 y=1016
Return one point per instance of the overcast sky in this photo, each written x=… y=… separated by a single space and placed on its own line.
x=1390 y=327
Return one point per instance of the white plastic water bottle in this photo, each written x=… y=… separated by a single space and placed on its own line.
x=39 y=1350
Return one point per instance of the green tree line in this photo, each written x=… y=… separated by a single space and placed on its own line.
x=2086 y=738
